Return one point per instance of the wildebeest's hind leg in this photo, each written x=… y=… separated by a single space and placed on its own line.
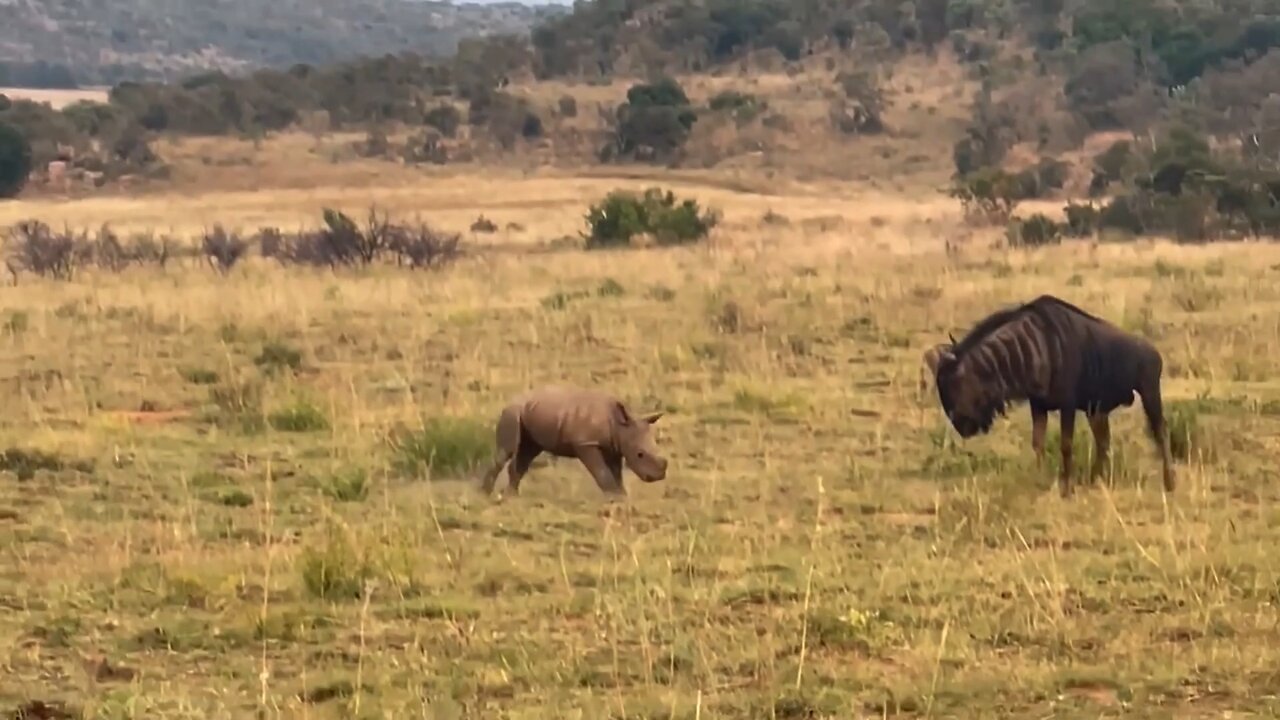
x=1039 y=424
x=1149 y=391
x=1101 y=425
x=607 y=474
x=1068 y=440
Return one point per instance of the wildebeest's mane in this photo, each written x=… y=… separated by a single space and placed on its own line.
x=988 y=325
x=1000 y=318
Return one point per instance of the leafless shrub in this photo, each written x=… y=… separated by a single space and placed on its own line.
x=148 y=249
x=344 y=243
x=31 y=246
x=426 y=147
x=223 y=249
x=108 y=252
x=422 y=247
x=272 y=243
x=484 y=225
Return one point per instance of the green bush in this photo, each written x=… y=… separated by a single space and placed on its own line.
x=1035 y=231
x=277 y=356
x=655 y=121
x=623 y=215
x=335 y=570
x=446 y=447
x=743 y=107
x=1082 y=220
x=15 y=160
x=988 y=194
x=299 y=417
x=445 y=118
x=1122 y=213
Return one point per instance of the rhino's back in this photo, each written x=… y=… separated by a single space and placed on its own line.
x=559 y=417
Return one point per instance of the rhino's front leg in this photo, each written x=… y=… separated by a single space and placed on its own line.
x=605 y=469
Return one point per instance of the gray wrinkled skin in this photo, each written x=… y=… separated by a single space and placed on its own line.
x=590 y=425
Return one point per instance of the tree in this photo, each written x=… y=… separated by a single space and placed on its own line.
x=15 y=160
x=655 y=120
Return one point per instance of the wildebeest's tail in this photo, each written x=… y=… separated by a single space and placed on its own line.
x=1153 y=407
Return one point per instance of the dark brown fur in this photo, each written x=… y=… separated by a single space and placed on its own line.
x=1058 y=358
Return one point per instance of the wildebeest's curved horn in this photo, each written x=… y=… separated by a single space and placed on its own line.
x=952 y=338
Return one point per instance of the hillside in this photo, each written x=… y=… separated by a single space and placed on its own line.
x=104 y=42
x=1011 y=100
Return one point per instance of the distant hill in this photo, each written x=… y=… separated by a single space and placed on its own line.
x=54 y=43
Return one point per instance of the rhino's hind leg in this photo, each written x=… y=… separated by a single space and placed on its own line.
x=606 y=471
x=500 y=458
x=507 y=438
x=525 y=456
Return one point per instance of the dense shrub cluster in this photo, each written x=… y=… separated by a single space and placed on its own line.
x=654 y=122
x=1176 y=185
x=15 y=160
x=34 y=247
x=623 y=215
x=344 y=243
x=96 y=141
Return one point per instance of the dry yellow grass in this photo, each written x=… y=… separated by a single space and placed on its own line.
x=822 y=547
x=57 y=98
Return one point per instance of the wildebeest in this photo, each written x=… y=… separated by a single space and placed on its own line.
x=591 y=425
x=1058 y=358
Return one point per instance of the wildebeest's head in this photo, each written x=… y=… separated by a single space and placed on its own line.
x=635 y=441
x=968 y=397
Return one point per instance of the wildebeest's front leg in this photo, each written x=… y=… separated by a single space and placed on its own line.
x=606 y=471
x=1101 y=425
x=1068 y=437
x=1039 y=424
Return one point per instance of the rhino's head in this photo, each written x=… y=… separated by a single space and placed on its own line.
x=635 y=441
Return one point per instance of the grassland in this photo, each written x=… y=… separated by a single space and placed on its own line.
x=223 y=521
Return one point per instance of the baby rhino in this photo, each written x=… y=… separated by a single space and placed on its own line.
x=591 y=425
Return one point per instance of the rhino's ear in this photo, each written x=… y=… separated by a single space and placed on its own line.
x=620 y=414
x=652 y=418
